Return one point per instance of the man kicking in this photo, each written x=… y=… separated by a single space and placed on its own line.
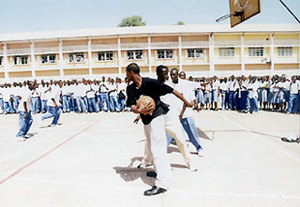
x=154 y=124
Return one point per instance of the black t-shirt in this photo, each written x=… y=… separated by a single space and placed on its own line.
x=154 y=89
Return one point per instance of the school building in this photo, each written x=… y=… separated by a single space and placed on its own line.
x=199 y=50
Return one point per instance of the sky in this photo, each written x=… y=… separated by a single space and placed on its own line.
x=17 y=16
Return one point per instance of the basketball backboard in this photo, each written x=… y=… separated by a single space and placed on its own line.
x=241 y=10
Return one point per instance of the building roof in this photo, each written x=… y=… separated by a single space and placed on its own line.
x=152 y=30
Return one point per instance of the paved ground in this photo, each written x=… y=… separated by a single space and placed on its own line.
x=86 y=162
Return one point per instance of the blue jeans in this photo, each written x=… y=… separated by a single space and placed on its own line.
x=114 y=106
x=121 y=103
x=71 y=103
x=104 y=97
x=2 y=105
x=80 y=104
x=44 y=106
x=232 y=100
x=52 y=112
x=92 y=105
x=293 y=103
x=223 y=104
x=244 y=96
x=35 y=104
x=24 y=124
x=16 y=103
x=8 y=107
x=66 y=107
x=190 y=128
x=253 y=105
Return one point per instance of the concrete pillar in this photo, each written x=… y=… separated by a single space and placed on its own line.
x=211 y=54
x=149 y=55
x=90 y=57
x=33 y=62
x=272 y=53
x=5 y=62
x=61 y=59
x=119 y=56
x=180 y=52
x=243 y=53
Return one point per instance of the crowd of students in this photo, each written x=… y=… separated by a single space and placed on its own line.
x=244 y=94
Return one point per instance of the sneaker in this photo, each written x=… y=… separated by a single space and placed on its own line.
x=26 y=136
x=143 y=165
x=21 y=139
x=200 y=152
x=192 y=168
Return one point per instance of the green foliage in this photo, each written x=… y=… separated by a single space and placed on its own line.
x=180 y=23
x=132 y=21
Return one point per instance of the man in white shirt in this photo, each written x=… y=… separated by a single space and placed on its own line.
x=232 y=98
x=243 y=83
x=114 y=106
x=186 y=114
x=91 y=97
x=1 y=99
x=25 y=118
x=7 y=91
x=103 y=89
x=121 y=86
x=66 y=97
x=54 y=105
x=253 y=95
x=224 y=92
x=35 y=101
x=215 y=92
x=294 y=95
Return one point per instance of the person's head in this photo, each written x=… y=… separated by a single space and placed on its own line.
x=31 y=85
x=162 y=73
x=225 y=79
x=103 y=78
x=60 y=83
x=132 y=71
x=182 y=75
x=174 y=75
x=191 y=78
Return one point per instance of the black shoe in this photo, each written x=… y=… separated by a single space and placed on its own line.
x=154 y=191
x=151 y=174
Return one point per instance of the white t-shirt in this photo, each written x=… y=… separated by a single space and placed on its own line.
x=6 y=94
x=295 y=87
x=25 y=97
x=215 y=85
x=112 y=87
x=189 y=96
x=17 y=91
x=90 y=94
x=224 y=86
x=233 y=85
x=55 y=94
x=254 y=86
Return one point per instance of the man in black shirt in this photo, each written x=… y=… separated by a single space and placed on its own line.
x=154 y=124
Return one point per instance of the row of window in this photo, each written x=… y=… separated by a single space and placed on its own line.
x=161 y=54
x=256 y=51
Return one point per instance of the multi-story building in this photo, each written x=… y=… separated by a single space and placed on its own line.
x=200 y=50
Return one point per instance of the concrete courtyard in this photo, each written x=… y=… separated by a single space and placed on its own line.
x=89 y=161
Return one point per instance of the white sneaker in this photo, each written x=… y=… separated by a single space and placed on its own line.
x=21 y=139
x=192 y=168
x=201 y=152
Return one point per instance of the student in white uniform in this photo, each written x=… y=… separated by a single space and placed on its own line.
x=114 y=106
x=91 y=97
x=294 y=95
x=25 y=118
x=215 y=92
x=54 y=105
x=1 y=100
x=224 y=92
x=153 y=124
x=253 y=95
x=121 y=94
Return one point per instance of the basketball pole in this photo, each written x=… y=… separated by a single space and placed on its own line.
x=289 y=11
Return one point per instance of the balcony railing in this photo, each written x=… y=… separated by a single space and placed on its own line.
x=229 y=43
x=164 y=45
x=195 y=44
x=18 y=51
x=44 y=50
x=286 y=43
x=257 y=43
x=104 y=47
x=75 y=48
x=130 y=46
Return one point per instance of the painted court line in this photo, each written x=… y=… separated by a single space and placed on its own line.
x=47 y=153
x=297 y=159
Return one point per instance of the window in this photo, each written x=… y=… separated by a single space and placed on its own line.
x=194 y=53
x=21 y=60
x=162 y=54
x=256 y=51
x=76 y=57
x=102 y=56
x=226 y=52
x=135 y=55
x=1 y=60
x=48 y=59
x=285 y=51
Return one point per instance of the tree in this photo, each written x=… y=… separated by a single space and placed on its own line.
x=180 y=23
x=132 y=21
